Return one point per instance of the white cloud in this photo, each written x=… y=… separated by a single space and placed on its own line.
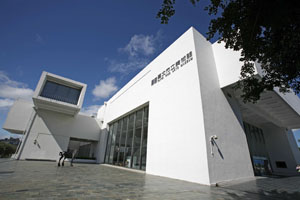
x=105 y=88
x=6 y=103
x=7 y=91
x=5 y=80
x=127 y=67
x=90 y=110
x=138 y=51
x=142 y=45
x=11 y=90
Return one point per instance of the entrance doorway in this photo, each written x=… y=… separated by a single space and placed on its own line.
x=258 y=152
x=84 y=148
x=127 y=140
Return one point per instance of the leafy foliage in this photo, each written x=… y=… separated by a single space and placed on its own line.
x=6 y=150
x=167 y=10
x=267 y=32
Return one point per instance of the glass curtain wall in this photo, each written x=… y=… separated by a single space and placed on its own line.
x=127 y=140
x=257 y=148
x=84 y=148
x=60 y=92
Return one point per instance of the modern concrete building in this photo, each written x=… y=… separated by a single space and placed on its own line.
x=179 y=118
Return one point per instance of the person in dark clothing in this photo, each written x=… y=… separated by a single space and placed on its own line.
x=62 y=156
x=66 y=154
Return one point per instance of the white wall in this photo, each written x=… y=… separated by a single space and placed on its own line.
x=232 y=159
x=18 y=116
x=292 y=100
x=176 y=144
x=185 y=109
x=228 y=64
x=279 y=149
x=56 y=105
x=176 y=139
x=52 y=132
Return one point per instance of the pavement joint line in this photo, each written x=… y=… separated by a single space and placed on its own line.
x=6 y=172
x=124 y=168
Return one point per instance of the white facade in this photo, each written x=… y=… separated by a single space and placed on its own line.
x=188 y=107
x=43 y=102
x=50 y=122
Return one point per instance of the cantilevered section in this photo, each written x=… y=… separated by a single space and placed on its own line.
x=59 y=94
x=280 y=109
x=18 y=116
x=272 y=107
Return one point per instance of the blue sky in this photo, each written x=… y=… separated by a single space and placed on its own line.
x=100 y=43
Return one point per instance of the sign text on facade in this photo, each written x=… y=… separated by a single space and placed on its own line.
x=174 y=67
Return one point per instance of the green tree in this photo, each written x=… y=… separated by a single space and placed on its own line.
x=266 y=32
x=6 y=150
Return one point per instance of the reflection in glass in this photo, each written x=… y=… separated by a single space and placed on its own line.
x=122 y=143
x=257 y=150
x=84 y=148
x=113 y=142
x=60 y=92
x=144 y=139
x=108 y=145
x=117 y=143
x=127 y=141
x=137 y=140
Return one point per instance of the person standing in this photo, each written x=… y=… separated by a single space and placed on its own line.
x=67 y=154
x=62 y=155
x=74 y=152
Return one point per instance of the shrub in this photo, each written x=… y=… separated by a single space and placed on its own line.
x=6 y=150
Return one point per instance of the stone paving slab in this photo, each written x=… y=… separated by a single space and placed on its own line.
x=44 y=180
x=279 y=187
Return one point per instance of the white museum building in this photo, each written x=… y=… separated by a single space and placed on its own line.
x=178 y=117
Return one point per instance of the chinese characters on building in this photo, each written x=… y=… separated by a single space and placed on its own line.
x=174 y=67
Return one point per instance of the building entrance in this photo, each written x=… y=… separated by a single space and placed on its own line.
x=258 y=152
x=127 y=140
x=84 y=148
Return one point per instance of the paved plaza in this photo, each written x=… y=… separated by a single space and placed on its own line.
x=44 y=180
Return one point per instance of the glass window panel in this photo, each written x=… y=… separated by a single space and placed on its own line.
x=144 y=148
x=113 y=141
x=128 y=149
x=145 y=129
x=138 y=122
x=144 y=157
x=130 y=125
x=129 y=141
x=260 y=130
x=146 y=116
x=83 y=148
x=257 y=148
x=60 y=92
x=136 y=158
x=74 y=95
x=145 y=137
x=122 y=142
x=258 y=134
x=108 y=144
x=49 y=89
x=117 y=143
x=136 y=149
x=127 y=145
